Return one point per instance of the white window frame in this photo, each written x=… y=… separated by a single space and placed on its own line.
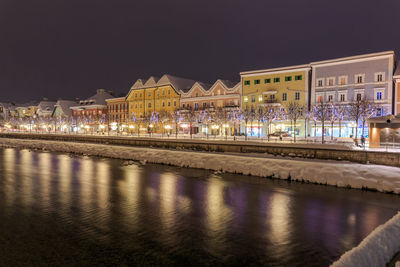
x=376 y=77
x=317 y=95
x=376 y=90
x=358 y=91
x=358 y=75
x=318 y=80
x=345 y=96
x=329 y=79
x=346 y=78
x=330 y=94
x=284 y=98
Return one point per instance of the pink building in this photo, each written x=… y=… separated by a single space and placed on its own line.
x=222 y=94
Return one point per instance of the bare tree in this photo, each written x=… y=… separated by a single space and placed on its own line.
x=246 y=116
x=269 y=116
x=368 y=109
x=332 y=116
x=176 y=119
x=354 y=111
x=294 y=112
x=321 y=113
x=340 y=113
x=190 y=116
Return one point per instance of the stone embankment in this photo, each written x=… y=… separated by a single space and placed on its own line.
x=308 y=151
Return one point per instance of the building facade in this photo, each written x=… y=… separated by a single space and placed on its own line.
x=396 y=96
x=91 y=114
x=221 y=97
x=346 y=80
x=155 y=97
x=276 y=88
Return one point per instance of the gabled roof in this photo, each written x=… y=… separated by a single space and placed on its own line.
x=229 y=84
x=46 y=106
x=203 y=87
x=138 y=84
x=98 y=99
x=152 y=81
x=65 y=106
x=179 y=84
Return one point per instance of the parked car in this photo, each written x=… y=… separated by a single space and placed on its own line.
x=277 y=134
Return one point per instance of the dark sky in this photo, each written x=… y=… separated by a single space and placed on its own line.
x=69 y=48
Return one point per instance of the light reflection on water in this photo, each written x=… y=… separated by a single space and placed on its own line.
x=67 y=210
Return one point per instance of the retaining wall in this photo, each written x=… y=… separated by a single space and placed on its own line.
x=314 y=151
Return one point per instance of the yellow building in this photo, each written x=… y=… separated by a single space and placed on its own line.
x=155 y=95
x=276 y=88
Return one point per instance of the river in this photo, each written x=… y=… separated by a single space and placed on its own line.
x=58 y=209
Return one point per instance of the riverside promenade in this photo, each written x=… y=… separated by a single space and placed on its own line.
x=308 y=151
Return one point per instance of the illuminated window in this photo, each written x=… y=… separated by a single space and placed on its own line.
x=245 y=99
x=260 y=98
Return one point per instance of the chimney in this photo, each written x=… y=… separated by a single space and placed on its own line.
x=100 y=91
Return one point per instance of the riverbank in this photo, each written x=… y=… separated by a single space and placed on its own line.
x=334 y=173
x=338 y=152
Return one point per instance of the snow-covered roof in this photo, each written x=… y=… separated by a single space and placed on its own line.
x=98 y=99
x=229 y=84
x=7 y=105
x=65 y=106
x=179 y=84
x=138 y=84
x=152 y=81
x=46 y=106
x=27 y=104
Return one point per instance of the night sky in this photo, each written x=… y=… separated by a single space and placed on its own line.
x=69 y=48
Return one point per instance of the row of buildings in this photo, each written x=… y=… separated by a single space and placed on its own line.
x=340 y=81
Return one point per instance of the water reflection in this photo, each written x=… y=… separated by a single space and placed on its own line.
x=80 y=210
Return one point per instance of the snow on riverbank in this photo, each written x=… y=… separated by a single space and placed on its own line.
x=341 y=174
x=377 y=249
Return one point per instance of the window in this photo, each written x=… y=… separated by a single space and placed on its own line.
x=342 y=80
x=272 y=97
x=379 y=94
x=149 y=93
x=288 y=78
x=331 y=81
x=135 y=94
x=174 y=103
x=140 y=105
x=246 y=82
x=196 y=106
x=267 y=81
x=379 y=112
x=135 y=105
x=197 y=94
x=245 y=99
x=359 y=96
x=359 y=78
x=277 y=80
x=149 y=105
x=204 y=104
x=320 y=82
x=253 y=99
x=169 y=104
x=319 y=99
x=342 y=97
x=379 y=77
x=297 y=96
x=256 y=81
x=140 y=95
x=298 y=77
x=284 y=96
x=163 y=104
x=169 y=91
x=163 y=92
x=330 y=98
x=183 y=105
x=260 y=98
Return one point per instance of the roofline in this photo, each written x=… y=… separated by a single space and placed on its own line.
x=277 y=69
x=384 y=53
x=115 y=98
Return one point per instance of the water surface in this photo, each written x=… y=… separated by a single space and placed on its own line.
x=58 y=209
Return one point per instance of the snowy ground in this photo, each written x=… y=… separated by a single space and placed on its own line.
x=336 y=173
x=377 y=249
